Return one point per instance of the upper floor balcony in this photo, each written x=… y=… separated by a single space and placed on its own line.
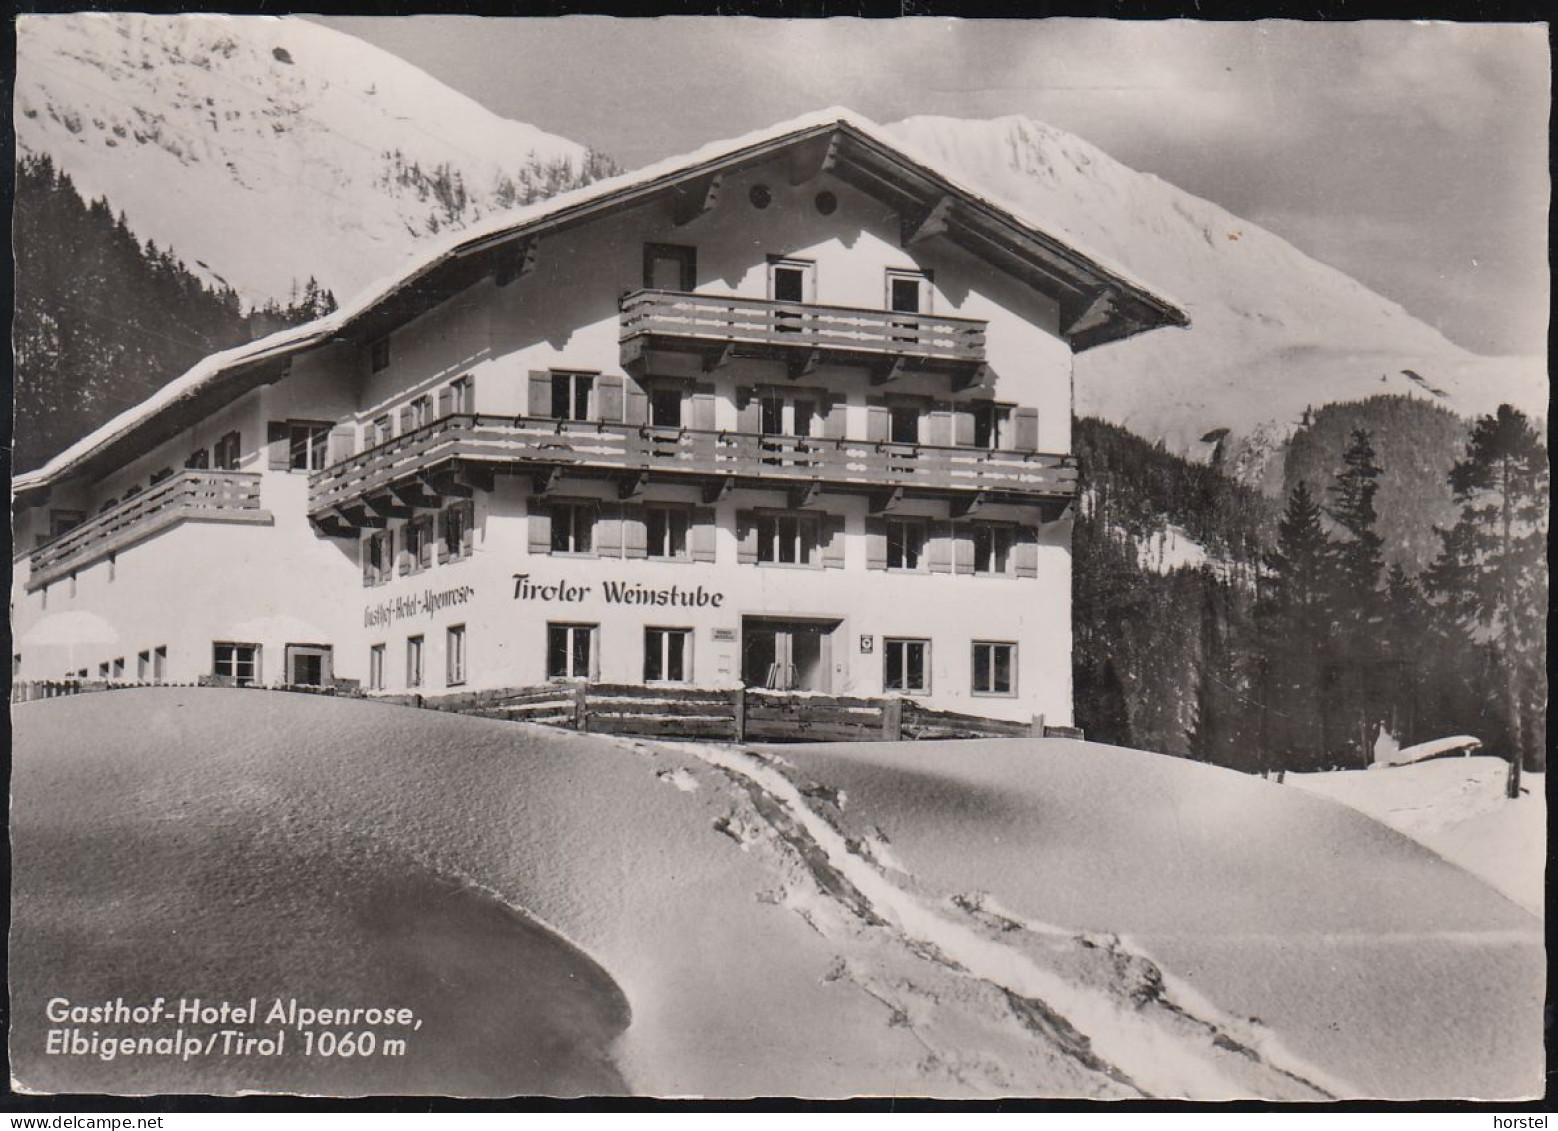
x=803 y=335
x=415 y=470
x=188 y=496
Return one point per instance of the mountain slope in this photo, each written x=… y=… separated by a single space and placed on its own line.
x=263 y=151
x=1272 y=330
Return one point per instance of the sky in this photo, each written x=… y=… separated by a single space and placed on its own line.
x=1412 y=156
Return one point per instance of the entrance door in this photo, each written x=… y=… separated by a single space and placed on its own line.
x=309 y=664
x=787 y=655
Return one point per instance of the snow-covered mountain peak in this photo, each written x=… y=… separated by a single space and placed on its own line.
x=1272 y=330
x=264 y=150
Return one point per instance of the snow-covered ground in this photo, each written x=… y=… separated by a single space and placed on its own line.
x=955 y=919
x=1457 y=807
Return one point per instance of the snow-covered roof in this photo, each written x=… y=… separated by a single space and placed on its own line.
x=573 y=206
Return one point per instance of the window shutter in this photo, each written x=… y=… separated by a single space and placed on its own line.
x=368 y=574
x=540 y=527
x=939 y=552
x=607 y=536
x=343 y=443
x=746 y=538
x=833 y=548
x=962 y=427
x=703 y=408
x=834 y=413
x=876 y=423
x=940 y=426
x=703 y=535
x=635 y=534
x=445 y=402
x=403 y=556
x=608 y=398
x=539 y=403
x=405 y=419
x=427 y=542
x=468 y=529
x=470 y=395
x=276 y=436
x=876 y=543
x=1025 y=430
x=442 y=552
x=962 y=548
x=1026 y=552
x=635 y=408
x=749 y=412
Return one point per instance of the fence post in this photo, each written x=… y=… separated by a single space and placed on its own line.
x=741 y=714
x=1038 y=726
x=892 y=720
x=581 y=708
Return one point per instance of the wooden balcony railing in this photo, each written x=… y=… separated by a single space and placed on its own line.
x=711 y=457
x=189 y=496
x=708 y=323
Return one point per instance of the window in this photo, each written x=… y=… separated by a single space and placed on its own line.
x=908 y=292
x=413 y=661
x=419 y=543
x=198 y=460
x=665 y=405
x=992 y=548
x=143 y=666
x=224 y=455
x=670 y=267
x=462 y=395
x=787 y=539
x=995 y=668
x=307 y=445
x=573 y=528
x=571 y=395
x=905 y=543
x=118 y=667
x=62 y=521
x=383 y=432
x=376 y=668
x=102 y=670
x=159 y=663
x=457 y=522
x=569 y=650
x=421 y=412
x=378 y=557
x=791 y=280
x=667 y=531
x=72 y=590
x=379 y=355
x=992 y=426
x=906 y=666
x=788 y=415
x=903 y=424
x=237 y=662
x=454 y=653
x=667 y=655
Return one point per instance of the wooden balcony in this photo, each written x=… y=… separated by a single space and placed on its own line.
x=189 y=496
x=803 y=335
x=418 y=469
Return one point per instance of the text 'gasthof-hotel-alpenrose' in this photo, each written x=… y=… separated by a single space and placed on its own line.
x=793 y=411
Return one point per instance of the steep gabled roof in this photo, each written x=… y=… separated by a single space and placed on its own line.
x=1100 y=302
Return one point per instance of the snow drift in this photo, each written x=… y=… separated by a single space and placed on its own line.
x=944 y=919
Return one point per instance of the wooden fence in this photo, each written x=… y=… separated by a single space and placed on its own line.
x=732 y=715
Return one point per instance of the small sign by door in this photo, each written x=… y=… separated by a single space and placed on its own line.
x=867 y=645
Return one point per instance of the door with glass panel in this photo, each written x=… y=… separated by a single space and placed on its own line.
x=782 y=655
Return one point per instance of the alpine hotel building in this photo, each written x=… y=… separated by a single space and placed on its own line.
x=793 y=411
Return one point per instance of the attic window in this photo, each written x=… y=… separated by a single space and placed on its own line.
x=826 y=202
x=379 y=355
x=761 y=196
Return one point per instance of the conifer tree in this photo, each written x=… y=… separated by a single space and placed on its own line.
x=1294 y=623
x=1354 y=567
